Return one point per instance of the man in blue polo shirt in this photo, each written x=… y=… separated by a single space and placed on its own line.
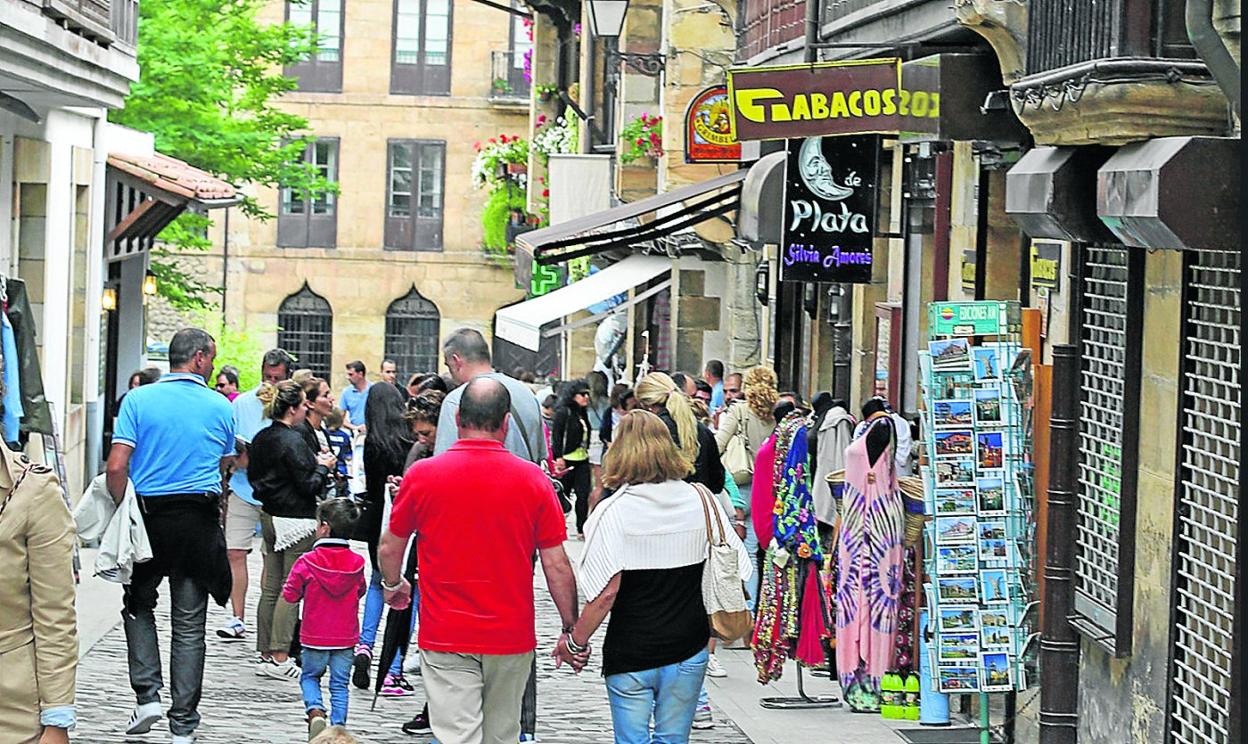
x=170 y=441
x=354 y=396
x=242 y=511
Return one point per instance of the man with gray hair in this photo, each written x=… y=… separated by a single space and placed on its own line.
x=467 y=357
x=477 y=635
x=171 y=440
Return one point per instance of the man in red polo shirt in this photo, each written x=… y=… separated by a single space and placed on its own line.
x=479 y=513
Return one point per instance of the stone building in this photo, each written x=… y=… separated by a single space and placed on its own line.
x=396 y=95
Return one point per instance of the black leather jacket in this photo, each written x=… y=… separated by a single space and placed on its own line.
x=567 y=431
x=284 y=473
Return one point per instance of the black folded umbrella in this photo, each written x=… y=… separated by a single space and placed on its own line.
x=398 y=634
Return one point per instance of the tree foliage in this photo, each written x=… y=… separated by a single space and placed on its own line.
x=241 y=348
x=210 y=75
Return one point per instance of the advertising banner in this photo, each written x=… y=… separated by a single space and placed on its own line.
x=708 y=128
x=827 y=98
x=1046 y=263
x=829 y=209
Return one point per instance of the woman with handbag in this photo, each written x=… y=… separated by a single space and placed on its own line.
x=569 y=447
x=645 y=563
x=743 y=429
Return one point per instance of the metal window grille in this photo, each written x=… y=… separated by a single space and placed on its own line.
x=1108 y=390
x=306 y=329
x=1207 y=513
x=412 y=334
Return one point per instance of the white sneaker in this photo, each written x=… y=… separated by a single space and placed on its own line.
x=714 y=668
x=233 y=631
x=287 y=670
x=143 y=718
x=702 y=719
x=411 y=664
x=183 y=739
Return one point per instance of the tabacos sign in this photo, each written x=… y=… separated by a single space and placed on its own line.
x=829 y=98
x=829 y=209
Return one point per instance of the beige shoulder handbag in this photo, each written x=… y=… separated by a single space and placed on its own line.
x=723 y=593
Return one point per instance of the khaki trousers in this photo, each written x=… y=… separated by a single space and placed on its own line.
x=474 y=698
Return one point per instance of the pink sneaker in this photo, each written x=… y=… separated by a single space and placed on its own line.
x=395 y=685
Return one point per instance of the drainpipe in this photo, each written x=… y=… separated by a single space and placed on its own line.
x=96 y=271
x=812 y=31
x=1212 y=50
x=1059 y=643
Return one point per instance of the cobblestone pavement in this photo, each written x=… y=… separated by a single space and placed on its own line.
x=239 y=706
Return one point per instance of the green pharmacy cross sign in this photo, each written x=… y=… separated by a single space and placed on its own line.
x=988 y=318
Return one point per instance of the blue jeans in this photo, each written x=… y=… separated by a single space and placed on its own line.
x=374 y=606
x=338 y=661
x=669 y=694
x=751 y=546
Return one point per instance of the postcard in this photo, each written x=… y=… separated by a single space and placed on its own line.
x=952 y=414
x=992 y=529
x=994 y=587
x=993 y=550
x=955 y=443
x=989 y=446
x=955 y=619
x=958 y=647
x=957 y=589
x=988 y=407
x=995 y=666
x=951 y=473
x=950 y=354
x=952 y=384
x=955 y=501
x=950 y=530
x=991 y=495
x=987 y=363
x=992 y=636
x=995 y=617
x=958 y=679
x=951 y=559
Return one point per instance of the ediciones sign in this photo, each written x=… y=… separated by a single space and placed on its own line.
x=829 y=209
x=830 y=98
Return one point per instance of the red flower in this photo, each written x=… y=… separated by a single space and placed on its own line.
x=493 y=141
x=641 y=141
x=654 y=137
x=545 y=193
x=502 y=138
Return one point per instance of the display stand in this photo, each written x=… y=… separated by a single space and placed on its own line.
x=978 y=488
x=802 y=701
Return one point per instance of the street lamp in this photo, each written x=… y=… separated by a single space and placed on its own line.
x=606 y=17
x=149 y=284
x=606 y=21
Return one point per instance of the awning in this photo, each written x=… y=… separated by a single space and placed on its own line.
x=1173 y=192
x=147 y=192
x=522 y=323
x=671 y=211
x=761 y=218
x=1050 y=192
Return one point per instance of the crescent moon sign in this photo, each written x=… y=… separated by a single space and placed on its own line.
x=816 y=172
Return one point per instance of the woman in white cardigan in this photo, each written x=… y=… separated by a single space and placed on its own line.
x=644 y=551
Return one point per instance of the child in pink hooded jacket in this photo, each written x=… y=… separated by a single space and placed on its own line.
x=329 y=579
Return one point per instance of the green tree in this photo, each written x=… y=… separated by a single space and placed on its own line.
x=240 y=348
x=210 y=74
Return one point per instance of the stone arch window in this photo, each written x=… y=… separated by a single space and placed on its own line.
x=306 y=329
x=412 y=324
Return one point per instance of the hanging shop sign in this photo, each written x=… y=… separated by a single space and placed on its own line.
x=828 y=98
x=986 y=318
x=708 y=128
x=978 y=486
x=1046 y=263
x=829 y=209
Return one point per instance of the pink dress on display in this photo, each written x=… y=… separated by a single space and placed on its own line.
x=870 y=558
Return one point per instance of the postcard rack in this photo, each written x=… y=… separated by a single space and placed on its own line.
x=977 y=476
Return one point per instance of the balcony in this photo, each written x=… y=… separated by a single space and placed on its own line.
x=125 y=22
x=768 y=24
x=508 y=83
x=889 y=22
x=90 y=18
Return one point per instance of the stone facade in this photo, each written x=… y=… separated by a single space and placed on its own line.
x=359 y=277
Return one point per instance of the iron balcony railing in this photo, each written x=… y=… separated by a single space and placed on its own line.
x=834 y=9
x=507 y=75
x=91 y=18
x=125 y=21
x=1065 y=32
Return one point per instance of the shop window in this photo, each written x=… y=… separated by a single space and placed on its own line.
x=1110 y=329
x=412 y=334
x=322 y=70
x=305 y=324
x=311 y=222
x=1207 y=620
x=421 y=61
x=414 y=182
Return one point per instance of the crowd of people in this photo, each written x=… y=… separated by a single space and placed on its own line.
x=408 y=469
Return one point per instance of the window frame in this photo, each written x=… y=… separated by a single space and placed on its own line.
x=424 y=234
x=284 y=335
x=394 y=322
x=308 y=229
x=313 y=75
x=415 y=79
x=1115 y=640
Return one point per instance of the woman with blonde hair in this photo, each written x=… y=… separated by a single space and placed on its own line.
x=753 y=421
x=289 y=479
x=658 y=394
x=644 y=552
